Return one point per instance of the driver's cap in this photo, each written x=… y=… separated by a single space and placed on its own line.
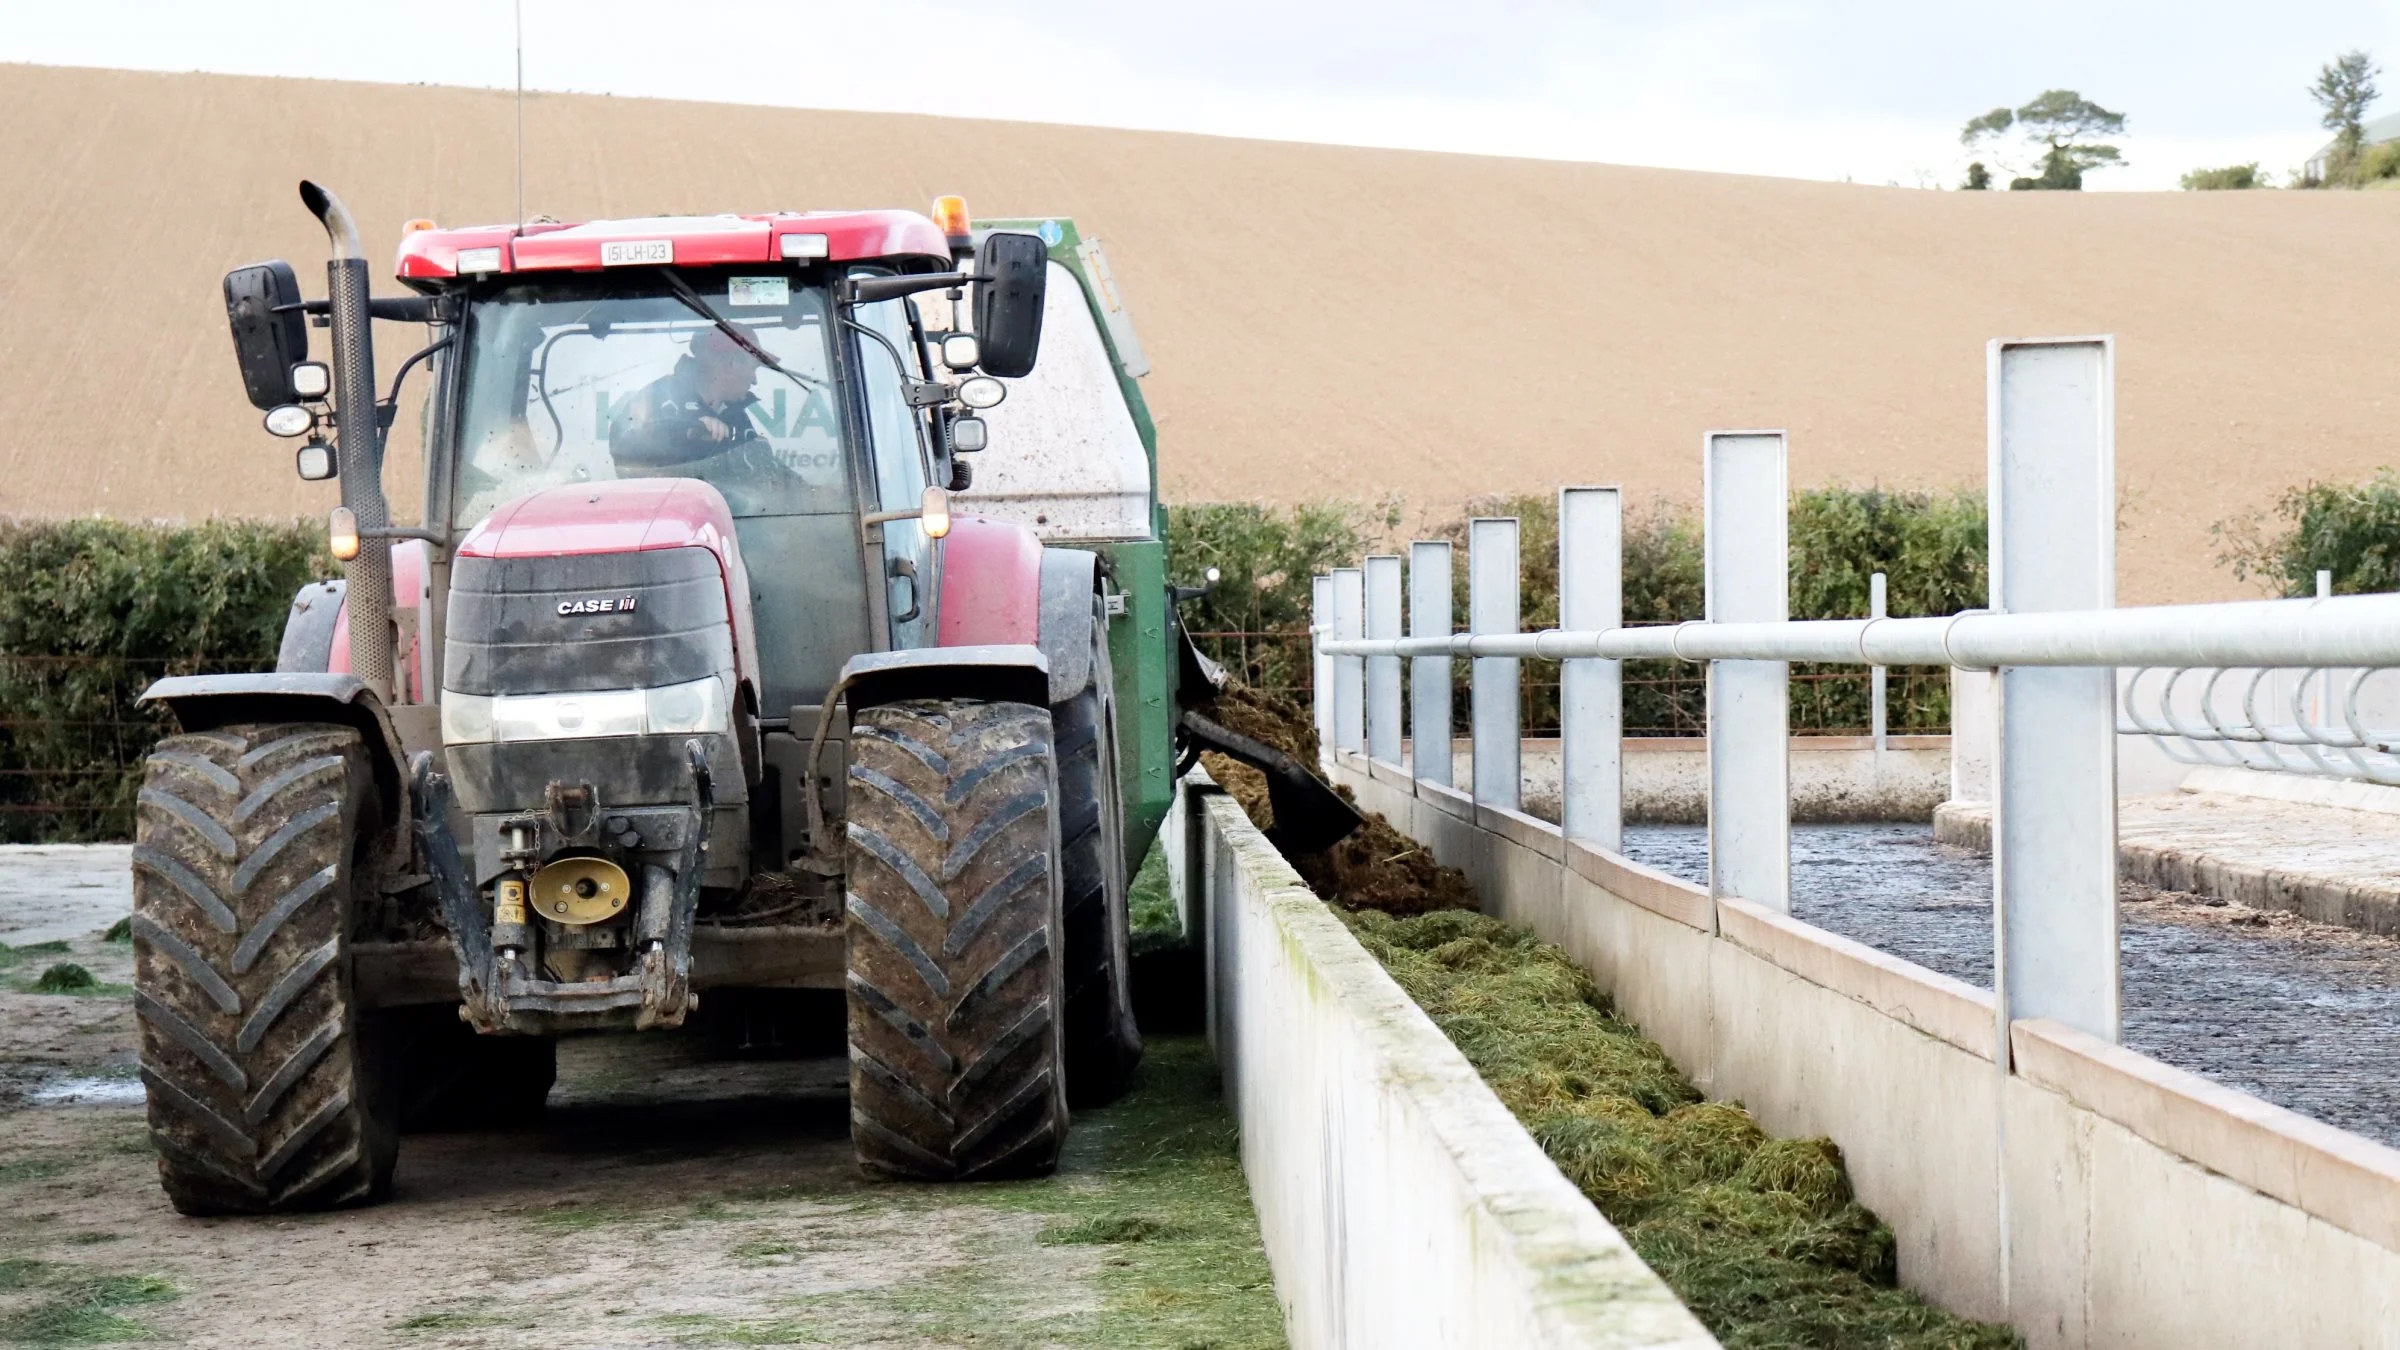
x=714 y=346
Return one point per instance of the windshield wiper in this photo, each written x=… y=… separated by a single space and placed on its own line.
x=692 y=300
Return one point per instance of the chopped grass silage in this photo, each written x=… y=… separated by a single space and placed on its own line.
x=1760 y=1237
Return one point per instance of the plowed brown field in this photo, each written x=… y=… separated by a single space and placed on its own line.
x=1324 y=321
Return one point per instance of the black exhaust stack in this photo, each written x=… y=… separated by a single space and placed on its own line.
x=359 y=443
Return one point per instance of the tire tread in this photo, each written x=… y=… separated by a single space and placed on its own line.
x=263 y=1095
x=953 y=933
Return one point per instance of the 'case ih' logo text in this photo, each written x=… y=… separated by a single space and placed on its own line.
x=622 y=604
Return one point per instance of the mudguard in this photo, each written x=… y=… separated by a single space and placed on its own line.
x=308 y=630
x=1070 y=576
x=201 y=702
x=1007 y=672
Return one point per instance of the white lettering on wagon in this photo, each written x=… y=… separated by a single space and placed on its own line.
x=618 y=604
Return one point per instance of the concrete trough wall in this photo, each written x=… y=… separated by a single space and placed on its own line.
x=1401 y=1204
x=1666 y=777
x=2088 y=1195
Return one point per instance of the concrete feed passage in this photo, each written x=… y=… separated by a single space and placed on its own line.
x=2299 y=1014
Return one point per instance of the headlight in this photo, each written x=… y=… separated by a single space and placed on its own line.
x=472 y=719
x=698 y=706
x=466 y=719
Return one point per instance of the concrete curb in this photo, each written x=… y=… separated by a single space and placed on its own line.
x=2325 y=899
x=1400 y=1202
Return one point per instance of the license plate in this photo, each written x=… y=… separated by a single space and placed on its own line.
x=637 y=252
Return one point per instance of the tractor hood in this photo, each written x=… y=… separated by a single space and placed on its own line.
x=617 y=517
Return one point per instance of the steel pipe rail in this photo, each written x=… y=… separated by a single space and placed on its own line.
x=2348 y=631
x=2335 y=742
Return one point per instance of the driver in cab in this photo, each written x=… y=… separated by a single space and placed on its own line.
x=698 y=410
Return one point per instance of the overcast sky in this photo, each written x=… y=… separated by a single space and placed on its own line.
x=1873 y=90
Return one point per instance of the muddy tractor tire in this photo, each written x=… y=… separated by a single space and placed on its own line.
x=268 y=1089
x=1103 y=1044
x=954 y=935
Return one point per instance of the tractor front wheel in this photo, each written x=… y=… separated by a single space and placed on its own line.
x=266 y=1082
x=955 y=938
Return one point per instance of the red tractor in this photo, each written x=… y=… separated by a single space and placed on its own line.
x=693 y=682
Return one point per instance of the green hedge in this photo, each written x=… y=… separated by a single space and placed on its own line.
x=91 y=611
x=2349 y=529
x=1930 y=546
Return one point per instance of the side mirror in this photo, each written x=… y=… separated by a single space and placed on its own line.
x=1008 y=304
x=270 y=334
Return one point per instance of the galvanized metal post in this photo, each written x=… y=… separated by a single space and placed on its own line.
x=1875 y=674
x=1591 y=706
x=1349 y=672
x=1383 y=672
x=2054 y=804
x=1320 y=666
x=1429 y=615
x=1492 y=697
x=2322 y=699
x=1749 y=708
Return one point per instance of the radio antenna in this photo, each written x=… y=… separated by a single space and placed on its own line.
x=520 y=14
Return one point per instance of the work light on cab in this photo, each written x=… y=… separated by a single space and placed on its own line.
x=290 y=420
x=314 y=462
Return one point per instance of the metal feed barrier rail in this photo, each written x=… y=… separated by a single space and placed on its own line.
x=2313 y=721
x=2053 y=635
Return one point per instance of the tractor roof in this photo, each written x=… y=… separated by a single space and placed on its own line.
x=428 y=254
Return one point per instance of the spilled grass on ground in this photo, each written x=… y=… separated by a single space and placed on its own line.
x=1760 y=1237
x=1155 y=1180
x=1148 y=1195
x=34 y=969
x=57 y=1304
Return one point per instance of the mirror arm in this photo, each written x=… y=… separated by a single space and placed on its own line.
x=393 y=400
x=433 y=537
x=874 y=290
x=900 y=368
x=391 y=308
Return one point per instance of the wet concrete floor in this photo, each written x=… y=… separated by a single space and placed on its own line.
x=2304 y=1015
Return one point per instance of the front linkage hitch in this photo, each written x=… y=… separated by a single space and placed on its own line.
x=500 y=993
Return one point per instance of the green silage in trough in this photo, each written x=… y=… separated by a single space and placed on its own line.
x=1761 y=1237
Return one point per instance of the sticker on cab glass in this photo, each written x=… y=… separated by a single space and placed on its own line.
x=758 y=290
x=1051 y=233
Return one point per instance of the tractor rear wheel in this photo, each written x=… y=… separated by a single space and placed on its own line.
x=266 y=1082
x=953 y=933
x=1103 y=1044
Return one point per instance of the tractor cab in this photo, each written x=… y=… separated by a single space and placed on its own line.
x=777 y=359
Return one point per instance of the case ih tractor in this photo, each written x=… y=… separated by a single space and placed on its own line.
x=698 y=681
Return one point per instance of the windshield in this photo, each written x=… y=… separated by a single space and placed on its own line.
x=618 y=378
